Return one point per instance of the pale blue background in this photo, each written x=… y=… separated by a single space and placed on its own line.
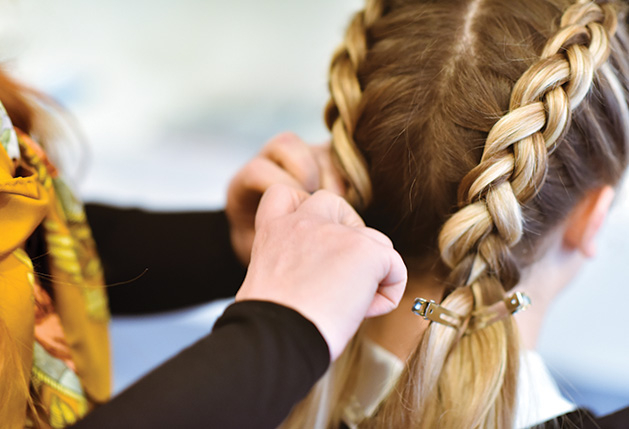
x=173 y=96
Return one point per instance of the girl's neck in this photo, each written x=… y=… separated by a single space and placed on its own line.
x=400 y=331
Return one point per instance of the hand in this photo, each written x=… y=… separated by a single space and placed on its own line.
x=284 y=160
x=315 y=255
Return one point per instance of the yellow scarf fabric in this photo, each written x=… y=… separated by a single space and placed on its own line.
x=33 y=195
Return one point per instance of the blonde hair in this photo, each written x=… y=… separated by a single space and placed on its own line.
x=469 y=129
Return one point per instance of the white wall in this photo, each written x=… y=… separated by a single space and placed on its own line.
x=199 y=83
x=174 y=95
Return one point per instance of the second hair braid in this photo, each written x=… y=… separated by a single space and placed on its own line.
x=513 y=164
x=343 y=109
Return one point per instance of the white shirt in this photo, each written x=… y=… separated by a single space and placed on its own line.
x=539 y=399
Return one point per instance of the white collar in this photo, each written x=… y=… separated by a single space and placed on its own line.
x=383 y=369
x=539 y=399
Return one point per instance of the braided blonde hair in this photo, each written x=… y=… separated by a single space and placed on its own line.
x=467 y=130
x=514 y=161
x=475 y=241
x=343 y=109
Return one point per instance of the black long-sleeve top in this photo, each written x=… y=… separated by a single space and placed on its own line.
x=162 y=261
x=260 y=359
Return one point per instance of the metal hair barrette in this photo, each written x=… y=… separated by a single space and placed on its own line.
x=480 y=319
x=430 y=310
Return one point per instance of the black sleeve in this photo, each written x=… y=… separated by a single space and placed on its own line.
x=187 y=258
x=259 y=361
x=583 y=419
x=617 y=420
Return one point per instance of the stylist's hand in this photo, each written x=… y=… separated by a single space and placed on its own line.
x=287 y=160
x=315 y=255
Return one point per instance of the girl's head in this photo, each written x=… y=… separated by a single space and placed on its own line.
x=418 y=86
x=468 y=131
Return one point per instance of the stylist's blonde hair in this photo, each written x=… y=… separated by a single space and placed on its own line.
x=467 y=130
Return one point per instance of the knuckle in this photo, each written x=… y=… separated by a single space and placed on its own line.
x=288 y=137
x=303 y=224
x=381 y=236
x=325 y=196
x=255 y=164
x=253 y=171
x=282 y=143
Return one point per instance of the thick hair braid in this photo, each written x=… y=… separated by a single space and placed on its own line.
x=514 y=162
x=343 y=109
x=476 y=241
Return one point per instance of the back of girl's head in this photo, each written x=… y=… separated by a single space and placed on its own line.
x=468 y=129
x=430 y=80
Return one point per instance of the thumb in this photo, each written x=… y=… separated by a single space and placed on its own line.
x=278 y=200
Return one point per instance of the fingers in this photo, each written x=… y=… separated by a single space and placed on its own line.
x=329 y=176
x=259 y=174
x=376 y=235
x=311 y=166
x=284 y=160
x=391 y=287
x=295 y=157
x=277 y=201
x=281 y=200
x=394 y=275
x=333 y=208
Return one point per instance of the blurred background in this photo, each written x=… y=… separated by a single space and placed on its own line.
x=173 y=97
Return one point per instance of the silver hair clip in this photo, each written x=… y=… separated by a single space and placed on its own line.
x=498 y=311
x=430 y=310
x=482 y=318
